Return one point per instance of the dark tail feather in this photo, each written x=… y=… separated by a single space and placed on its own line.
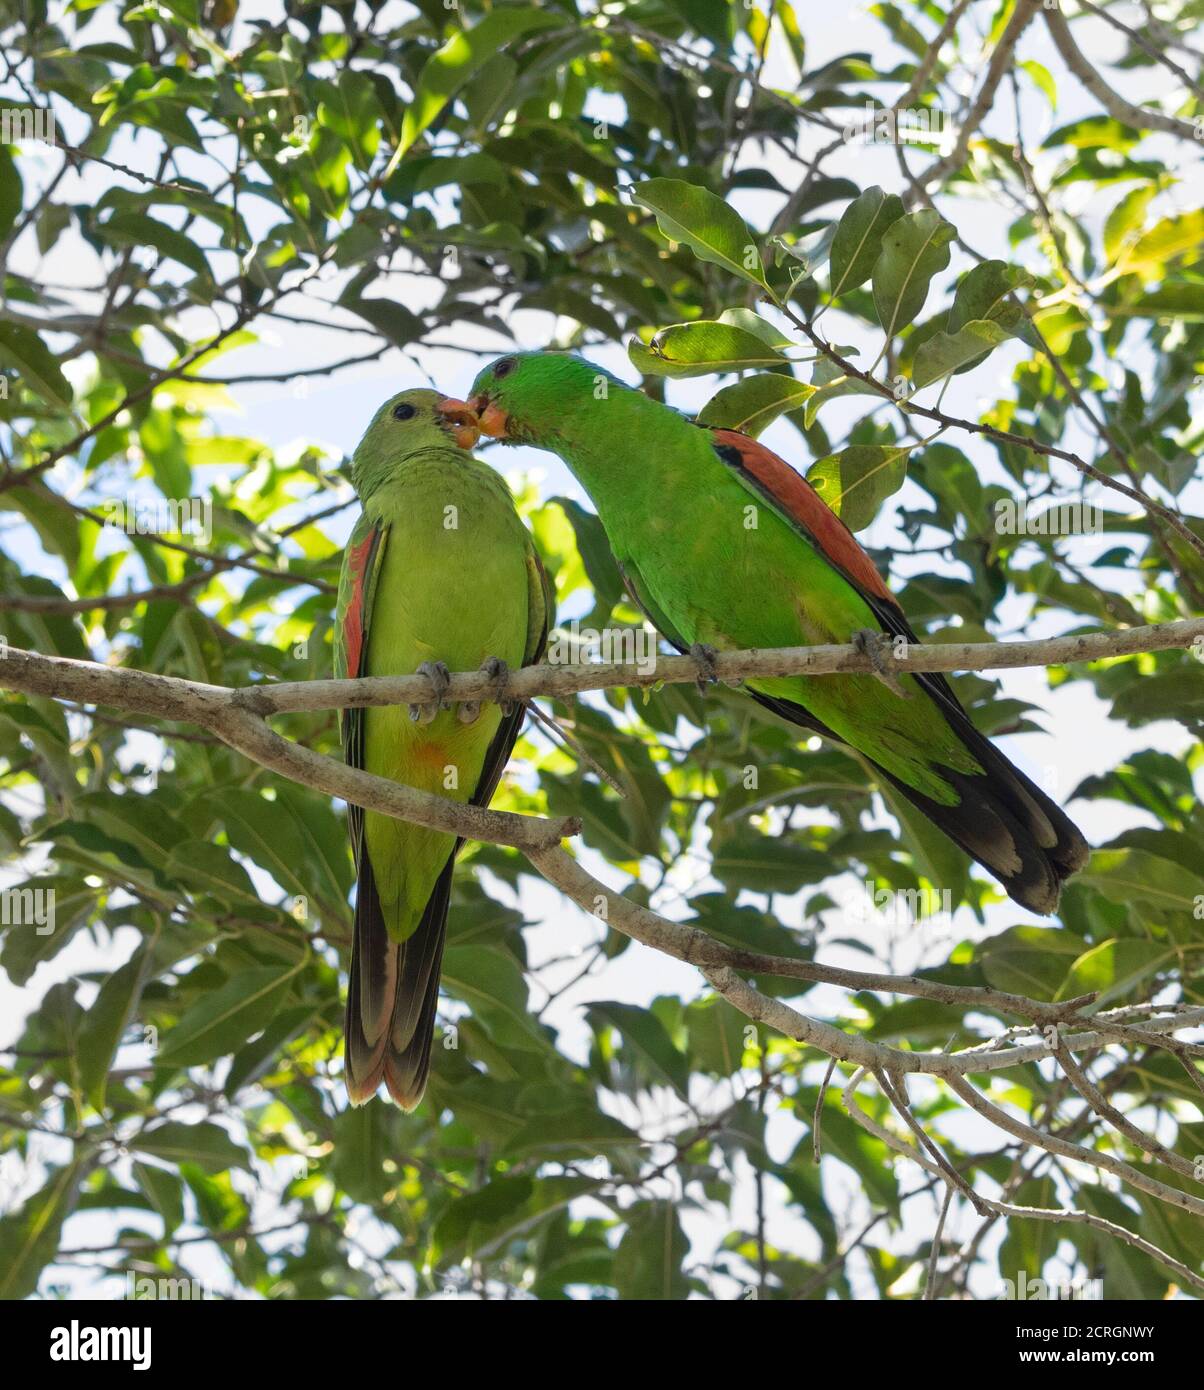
x=1004 y=820
x=1007 y=824
x=392 y=996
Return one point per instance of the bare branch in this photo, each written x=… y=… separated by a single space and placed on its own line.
x=1104 y=1108
x=1142 y=117
x=1000 y=60
x=1058 y=1214
x=142 y=692
x=1053 y=1143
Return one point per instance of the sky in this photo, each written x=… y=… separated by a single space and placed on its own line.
x=332 y=411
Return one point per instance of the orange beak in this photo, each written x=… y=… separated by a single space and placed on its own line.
x=493 y=421
x=462 y=420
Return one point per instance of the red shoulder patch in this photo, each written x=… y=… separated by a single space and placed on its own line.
x=774 y=477
x=359 y=561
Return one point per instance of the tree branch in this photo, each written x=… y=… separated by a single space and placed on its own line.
x=1142 y=117
x=1006 y=1209
x=1139 y=40
x=228 y=714
x=170 y=697
x=998 y=65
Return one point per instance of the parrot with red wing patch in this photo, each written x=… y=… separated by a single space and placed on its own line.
x=725 y=546
x=439 y=575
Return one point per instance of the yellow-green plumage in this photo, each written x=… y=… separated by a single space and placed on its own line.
x=439 y=569
x=456 y=593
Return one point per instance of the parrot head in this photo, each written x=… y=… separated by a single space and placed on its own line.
x=534 y=397
x=409 y=423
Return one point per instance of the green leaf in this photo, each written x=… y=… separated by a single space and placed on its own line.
x=986 y=293
x=595 y=552
x=449 y=68
x=856 y=481
x=716 y=1033
x=1031 y=961
x=766 y=864
x=352 y=110
x=583 y=1130
x=1042 y=80
x=278 y=836
x=251 y=1062
x=715 y=232
x=26 y=944
x=11 y=192
x=1163 y=243
x=390 y=319
x=702 y=349
x=1124 y=219
x=939 y=860
x=1116 y=968
x=648 y=1262
x=645 y=1034
x=106 y=1021
x=365 y=1139
x=760 y=328
x=488 y=978
x=137 y=229
x=503 y=1207
x=858 y=241
x=29 y=1237
x=36 y=367
x=424 y=175
x=753 y=404
x=946 y=353
x=1138 y=877
x=1173 y=300
x=830 y=382
x=205 y=1144
x=164 y=1191
x=914 y=249
x=210 y=868
x=1029 y=1244
x=225 y=1019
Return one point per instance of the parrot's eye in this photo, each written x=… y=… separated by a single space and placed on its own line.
x=504 y=367
x=404 y=411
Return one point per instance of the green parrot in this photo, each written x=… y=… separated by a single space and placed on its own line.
x=723 y=545
x=439 y=575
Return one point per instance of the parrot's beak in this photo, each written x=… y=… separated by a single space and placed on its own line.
x=493 y=420
x=460 y=420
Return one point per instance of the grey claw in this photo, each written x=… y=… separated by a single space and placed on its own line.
x=468 y=711
x=705 y=656
x=877 y=646
x=440 y=678
x=423 y=714
x=499 y=673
